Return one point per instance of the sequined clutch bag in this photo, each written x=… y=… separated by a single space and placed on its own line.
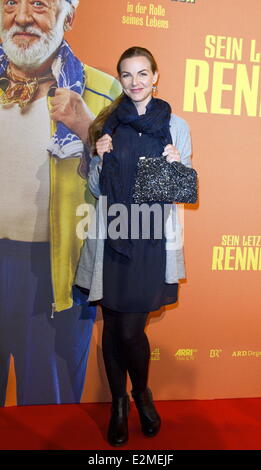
x=160 y=181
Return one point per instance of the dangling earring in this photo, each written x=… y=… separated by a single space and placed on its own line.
x=154 y=89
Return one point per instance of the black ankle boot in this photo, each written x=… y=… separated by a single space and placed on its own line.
x=149 y=418
x=118 y=427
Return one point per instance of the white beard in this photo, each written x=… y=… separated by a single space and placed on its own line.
x=34 y=55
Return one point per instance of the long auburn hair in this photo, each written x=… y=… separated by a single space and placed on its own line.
x=95 y=128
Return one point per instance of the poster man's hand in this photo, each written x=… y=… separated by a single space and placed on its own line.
x=69 y=108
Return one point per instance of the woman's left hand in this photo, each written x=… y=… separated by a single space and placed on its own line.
x=172 y=153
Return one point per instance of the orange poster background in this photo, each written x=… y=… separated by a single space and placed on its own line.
x=218 y=312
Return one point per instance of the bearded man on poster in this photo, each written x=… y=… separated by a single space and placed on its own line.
x=47 y=101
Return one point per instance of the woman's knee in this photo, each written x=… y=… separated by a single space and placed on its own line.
x=132 y=332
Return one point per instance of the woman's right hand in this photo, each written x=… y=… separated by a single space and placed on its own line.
x=104 y=144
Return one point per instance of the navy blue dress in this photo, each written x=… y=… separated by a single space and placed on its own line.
x=133 y=270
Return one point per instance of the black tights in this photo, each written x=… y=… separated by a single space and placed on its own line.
x=125 y=348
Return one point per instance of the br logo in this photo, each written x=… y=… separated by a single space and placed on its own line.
x=215 y=353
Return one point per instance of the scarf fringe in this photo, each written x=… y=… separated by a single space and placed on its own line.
x=71 y=150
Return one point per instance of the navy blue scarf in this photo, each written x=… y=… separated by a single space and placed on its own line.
x=119 y=166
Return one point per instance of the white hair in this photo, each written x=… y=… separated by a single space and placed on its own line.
x=75 y=3
x=68 y=9
x=70 y=6
x=32 y=57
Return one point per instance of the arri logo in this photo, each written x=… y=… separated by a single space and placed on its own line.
x=186 y=354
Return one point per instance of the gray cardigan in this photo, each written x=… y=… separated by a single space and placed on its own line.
x=90 y=268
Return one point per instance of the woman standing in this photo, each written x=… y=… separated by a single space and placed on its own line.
x=131 y=276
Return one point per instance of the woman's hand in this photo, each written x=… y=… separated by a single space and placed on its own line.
x=172 y=153
x=104 y=144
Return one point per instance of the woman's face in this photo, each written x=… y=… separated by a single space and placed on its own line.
x=137 y=79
